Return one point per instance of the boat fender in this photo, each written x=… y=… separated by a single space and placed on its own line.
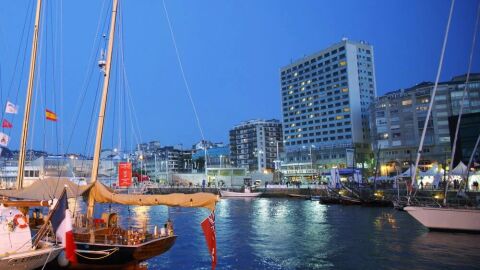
x=62 y=259
x=20 y=221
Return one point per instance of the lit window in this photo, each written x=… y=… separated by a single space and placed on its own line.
x=343 y=63
x=303 y=88
x=295 y=74
x=345 y=90
x=290 y=92
x=346 y=109
x=407 y=102
x=339 y=117
x=303 y=83
x=290 y=87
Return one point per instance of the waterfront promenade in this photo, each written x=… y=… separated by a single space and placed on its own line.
x=282 y=191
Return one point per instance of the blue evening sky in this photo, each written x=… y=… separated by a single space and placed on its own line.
x=232 y=52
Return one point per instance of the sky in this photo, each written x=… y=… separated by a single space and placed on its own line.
x=231 y=52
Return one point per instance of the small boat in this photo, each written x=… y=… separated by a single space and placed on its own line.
x=300 y=196
x=446 y=218
x=329 y=200
x=247 y=193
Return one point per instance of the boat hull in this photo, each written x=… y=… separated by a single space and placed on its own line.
x=31 y=259
x=111 y=254
x=225 y=193
x=446 y=219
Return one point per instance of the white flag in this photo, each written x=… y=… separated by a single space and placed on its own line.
x=4 y=139
x=11 y=108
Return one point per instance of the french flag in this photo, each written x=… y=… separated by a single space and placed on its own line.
x=62 y=226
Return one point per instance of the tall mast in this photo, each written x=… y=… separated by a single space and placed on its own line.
x=103 y=107
x=28 y=101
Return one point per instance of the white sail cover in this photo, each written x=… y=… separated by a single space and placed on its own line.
x=13 y=239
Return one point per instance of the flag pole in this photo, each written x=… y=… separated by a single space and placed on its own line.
x=43 y=230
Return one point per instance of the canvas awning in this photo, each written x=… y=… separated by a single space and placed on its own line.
x=408 y=172
x=103 y=194
x=45 y=189
x=433 y=171
x=461 y=169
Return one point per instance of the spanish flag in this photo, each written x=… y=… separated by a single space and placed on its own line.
x=50 y=115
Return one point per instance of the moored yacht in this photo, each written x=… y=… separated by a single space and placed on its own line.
x=446 y=218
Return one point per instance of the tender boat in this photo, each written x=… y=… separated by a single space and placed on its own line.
x=247 y=193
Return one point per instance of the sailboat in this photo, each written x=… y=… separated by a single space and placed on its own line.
x=444 y=217
x=17 y=248
x=106 y=243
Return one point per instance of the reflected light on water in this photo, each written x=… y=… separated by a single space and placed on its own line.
x=385 y=220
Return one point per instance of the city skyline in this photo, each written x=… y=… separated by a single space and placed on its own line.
x=233 y=71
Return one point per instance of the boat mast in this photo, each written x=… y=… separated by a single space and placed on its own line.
x=28 y=101
x=103 y=107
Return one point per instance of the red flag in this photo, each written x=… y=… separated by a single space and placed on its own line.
x=6 y=124
x=50 y=115
x=208 y=226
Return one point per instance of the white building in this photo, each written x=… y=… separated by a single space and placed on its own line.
x=325 y=101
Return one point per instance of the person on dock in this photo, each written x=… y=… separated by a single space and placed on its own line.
x=421 y=184
x=203 y=185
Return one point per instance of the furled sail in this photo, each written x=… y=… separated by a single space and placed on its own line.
x=102 y=194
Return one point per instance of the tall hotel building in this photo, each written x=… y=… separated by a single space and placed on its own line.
x=325 y=101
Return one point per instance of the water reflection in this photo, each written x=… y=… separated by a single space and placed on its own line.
x=453 y=250
x=296 y=234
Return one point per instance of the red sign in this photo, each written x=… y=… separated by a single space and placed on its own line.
x=124 y=174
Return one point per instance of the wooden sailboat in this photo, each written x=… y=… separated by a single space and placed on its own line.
x=107 y=243
x=17 y=250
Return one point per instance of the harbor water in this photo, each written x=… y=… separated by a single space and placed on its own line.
x=278 y=233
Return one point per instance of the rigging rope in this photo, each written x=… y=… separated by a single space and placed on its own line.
x=187 y=86
x=465 y=90
x=432 y=97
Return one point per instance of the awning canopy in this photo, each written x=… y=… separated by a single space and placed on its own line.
x=461 y=169
x=45 y=189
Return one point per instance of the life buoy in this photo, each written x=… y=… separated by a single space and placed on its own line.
x=20 y=221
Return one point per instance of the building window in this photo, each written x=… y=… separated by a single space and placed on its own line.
x=407 y=102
